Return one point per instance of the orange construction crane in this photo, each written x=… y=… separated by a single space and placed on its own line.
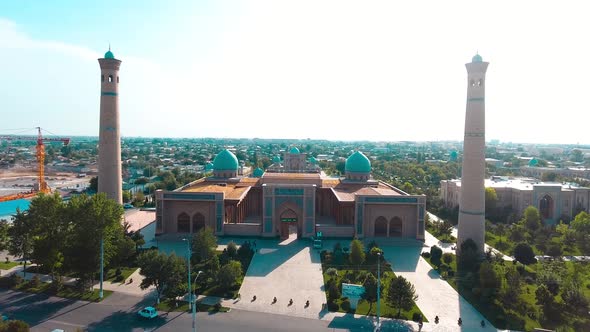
x=42 y=185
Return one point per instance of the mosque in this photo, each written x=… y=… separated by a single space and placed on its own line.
x=291 y=196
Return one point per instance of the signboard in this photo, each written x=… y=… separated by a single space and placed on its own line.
x=353 y=292
x=288 y=219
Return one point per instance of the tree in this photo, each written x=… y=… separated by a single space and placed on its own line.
x=214 y=266
x=524 y=253
x=230 y=274
x=137 y=237
x=511 y=290
x=469 y=257
x=517 y=233
x=357 y=253
x=500 y=231
x=370 y=294
x=4 y=239
x=554 y=250
x=581 y=223
x=447 y=257
x=204 y=244
x=92 y=219
x=161 y=271
x=126 y=249
x=491 y=199
x=532 y=219
x=544 y=298
x=574 y=299
x=232 y=249
x=435 y=255
x=21 y=241
x=489 y=281
x=401 y=294
x=93 y=184
x=14 y=326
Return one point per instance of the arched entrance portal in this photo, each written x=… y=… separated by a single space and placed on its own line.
x=395 y=227
x=183 y=223
x=381 y=226
x=288 y=220
x=198 y=222
x=546 y=207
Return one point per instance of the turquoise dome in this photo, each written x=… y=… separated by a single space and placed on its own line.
x=258 y=172
x=313 y=160
x=533 y=162
x=454 y=155
x=225 y=161
x=276 y=159
x=358 y=163
x=294 y=150
x=109 y=55
x=209 y=166
x=477 y=58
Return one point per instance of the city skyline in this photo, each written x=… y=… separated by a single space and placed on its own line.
x=329 y=70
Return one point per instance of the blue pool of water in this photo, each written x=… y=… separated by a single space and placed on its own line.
x=8 y=208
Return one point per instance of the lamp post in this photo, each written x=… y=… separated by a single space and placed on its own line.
x=100 y=293
x=188 y=261
x=194 y=296
x=378 y=290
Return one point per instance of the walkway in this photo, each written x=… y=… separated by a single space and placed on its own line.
x=287 y=270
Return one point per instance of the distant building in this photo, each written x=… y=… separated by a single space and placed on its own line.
x=570 y=172
x=554 y=200
x=291 y=196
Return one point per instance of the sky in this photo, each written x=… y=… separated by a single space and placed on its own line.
x=339 y=70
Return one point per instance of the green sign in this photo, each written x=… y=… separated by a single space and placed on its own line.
x=288 y=219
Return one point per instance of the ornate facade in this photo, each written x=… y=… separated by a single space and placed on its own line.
x=292 y=195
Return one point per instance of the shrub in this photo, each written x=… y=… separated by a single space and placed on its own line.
x=232 y=249
x=15 y=280
x=332 y=306
x=426 y=254
x=524 y=254
x=345 y=305
x=416 y=317
x=118 y=272
x=332 y=272
x=56 y=286
x=35 y=281
x=435 y=255
x=217 y=306
x=447 y=257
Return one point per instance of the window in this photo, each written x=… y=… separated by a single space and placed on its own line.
x=117 y=79
x=472 y=83
x=480 y=82
x=183 y=223
x=110 y=78
x=102 y=78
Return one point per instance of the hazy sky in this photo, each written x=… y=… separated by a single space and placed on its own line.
x=371 y=70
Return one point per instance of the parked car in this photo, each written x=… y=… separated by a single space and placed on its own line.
x=127 y=206
x=148 y=312
x=317 y=244
x=3 y=317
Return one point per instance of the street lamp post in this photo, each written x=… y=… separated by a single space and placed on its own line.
x=378 y=290
x=188 y=261
x=194 y=296
x=100 y=292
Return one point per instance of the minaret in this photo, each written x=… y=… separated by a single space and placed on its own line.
x=472 y=203
x=109 y=137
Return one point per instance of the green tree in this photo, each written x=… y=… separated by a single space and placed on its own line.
x=511 y=289
x=14 y=326
x=447 y=258
x=161 y=271
x=21 y=240
x=435 y=255
x=524 y=253
x=232 y=249
x=491 y=200
x=489 y=281
x=517 y=233
x=401 y=294
x=532 y=219
x=469 y=257
x=574 y=299
x=230 y=274
x=137 y=237
x=214 y=266
x=370 y=294
x=93 y=184
x=127 y=196
x=204 y=244
x=92 y=219
x=4 y=239
x=357 y=253
x=581 y=223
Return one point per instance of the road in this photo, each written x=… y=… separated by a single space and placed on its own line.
x=118 y=313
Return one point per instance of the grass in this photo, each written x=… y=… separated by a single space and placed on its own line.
x=171 y=305
x=8 y=265
x=110 y=274
x=350 y=273
x=68 y=292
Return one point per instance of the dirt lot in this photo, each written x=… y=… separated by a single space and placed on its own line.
x=15 y=181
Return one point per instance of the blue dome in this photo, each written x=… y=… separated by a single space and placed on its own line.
x=258 y=172
x=294 y=150
x=477 y=58
x=313 y=160
x=358 y=163
x=276 y=159
x=225 y=161
x=109 y=55
x=533 y=162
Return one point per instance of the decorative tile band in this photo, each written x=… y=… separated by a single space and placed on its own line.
x=114 y=94
x=474 y=134
x=391 y=199
x=475 y=99
x=204 y=197
x=472 y=213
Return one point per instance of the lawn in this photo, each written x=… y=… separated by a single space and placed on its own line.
x=68 y=292
x=111 y=274
x=355 y=275
x=8 y=265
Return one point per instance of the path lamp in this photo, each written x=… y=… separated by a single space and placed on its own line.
x=378 y=290
x=188 y=262
x=194 y=304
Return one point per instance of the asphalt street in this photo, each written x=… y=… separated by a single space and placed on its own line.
x=118 y=313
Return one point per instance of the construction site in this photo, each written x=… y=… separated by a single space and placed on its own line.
x=25 y=179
